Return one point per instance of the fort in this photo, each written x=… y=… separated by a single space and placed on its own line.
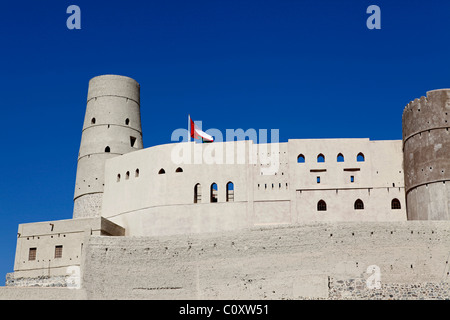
x=303 y=219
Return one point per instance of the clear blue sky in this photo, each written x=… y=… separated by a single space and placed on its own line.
x=311 y=69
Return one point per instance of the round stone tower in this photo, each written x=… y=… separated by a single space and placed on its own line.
x=426 y=156
x=112 y=127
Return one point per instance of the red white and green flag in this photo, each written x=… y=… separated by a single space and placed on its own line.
x=196 y=133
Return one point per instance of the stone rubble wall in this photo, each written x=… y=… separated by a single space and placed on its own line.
x=41 y=281
x=356 y=289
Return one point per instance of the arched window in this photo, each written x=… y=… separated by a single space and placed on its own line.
x=118 y=177
x=93 y=121
x=320 y=158
x=136 y=173
x=321 y=206
x=127 y=175
x=107 y=149
x=197 y=193
x=360 y=157
x=301 y=158
x=230 y=192
x=340 y=157
x=359 y=205
x=179 y=170
x=127 y=121
x=213 y=193
x=162 y=171
x=395 y=204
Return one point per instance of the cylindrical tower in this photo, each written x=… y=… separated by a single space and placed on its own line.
x=112 y=127
x=426 y=156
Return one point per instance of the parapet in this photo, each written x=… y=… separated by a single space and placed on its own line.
x=426 y=113
x=114 y=85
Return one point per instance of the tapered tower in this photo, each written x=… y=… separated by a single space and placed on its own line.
x=112 y=127
x=426 y=156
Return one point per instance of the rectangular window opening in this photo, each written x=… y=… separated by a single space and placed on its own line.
x=58 y=251
x=32 y=254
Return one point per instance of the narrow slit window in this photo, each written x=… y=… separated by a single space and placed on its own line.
x=198 y=193
x=132 y=141
x=213 y=193
x=230 y=192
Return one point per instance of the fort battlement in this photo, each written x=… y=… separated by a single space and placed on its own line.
x=426 y=113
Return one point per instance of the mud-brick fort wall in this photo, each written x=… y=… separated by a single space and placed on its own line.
x=320 y=260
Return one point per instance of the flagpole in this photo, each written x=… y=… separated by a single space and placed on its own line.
x=189 y=128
